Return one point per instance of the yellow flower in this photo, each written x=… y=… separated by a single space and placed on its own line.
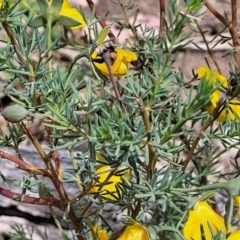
x=110 y=186
x=120 y=61
x=68 y=11
x=203 y=215
x=101 y=234
x=135 y=232
x=216 y=79
x=234 y=236
x=73 y=13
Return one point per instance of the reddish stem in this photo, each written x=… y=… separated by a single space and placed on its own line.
x=232 y=26
x=22 y=164
x=162 y=15
x=32 y=200
x=101 y=21
x=234 y=34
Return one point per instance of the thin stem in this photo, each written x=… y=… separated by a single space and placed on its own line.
x=54 y=176
x=195 y=143
x=234 y=33
x=162 y=15
x=86 y=208
x=75 y=166
x=23 y=165
x=49 y=42
x=221 y=18
x=159 y=81
x=217 y=111
x=232 y=26
x=145 y=112
x=208 y=49
x=101 y=21
x=32 y=200
x=128 y=21
x=13 y=41
x=35 y=142
x=107 y=61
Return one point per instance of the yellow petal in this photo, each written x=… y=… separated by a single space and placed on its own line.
x=124 y=57
x=120 y=65
x=65 y=4
x=234 y=236
x=212 y=76
x=100 y=235
x=203 y=215
x=222 y=116
x=135 y=232
x=191 y=229
x=102 y=174
x=234 y=104
x=74 y=14
x=102 y=67
x=234 y=107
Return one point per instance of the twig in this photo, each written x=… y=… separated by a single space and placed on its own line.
x=107 y=61
x=128 y=21
x=208 y=49
x=13 y=40
x=32 y=200
x=217 y=111
x=23 y=165
x=152 y=158
x=53 y=175
x=218 y=15
x=86 y=208
x=234 y=33
x=101 y=21
x=162 y=15
x=232 y=26
x=35 y=142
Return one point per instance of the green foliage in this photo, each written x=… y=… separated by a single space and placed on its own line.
x=155 y=126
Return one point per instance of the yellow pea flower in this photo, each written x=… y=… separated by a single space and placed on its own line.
x=234 y=236
x=202 y=214
x=135 y=232
x=120 y=62
x=68 y=11
x=110 y=186
x=100 y=234
x=216 y=78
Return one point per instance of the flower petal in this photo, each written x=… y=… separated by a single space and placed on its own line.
x=65 y=4
x=120 y=65
x=233 y=109
x=110 y=186
x=135 y=232
x=203 y=215
x=74 y=14
x=191 y=229
x=234 y=106
x=234 y=236
x=212 y=76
